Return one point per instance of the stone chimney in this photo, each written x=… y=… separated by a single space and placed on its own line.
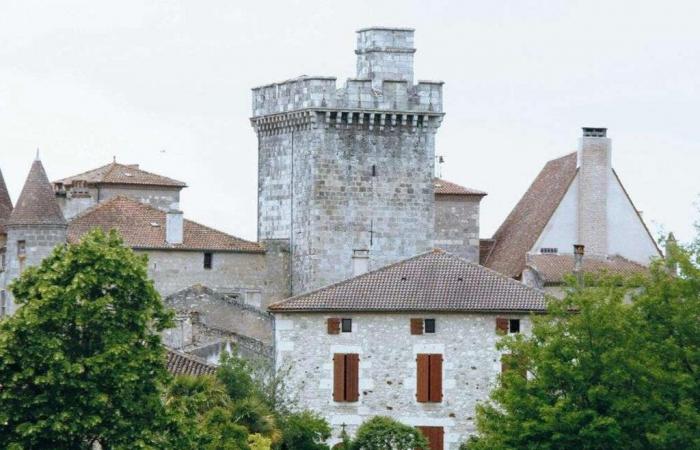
x=595 y=167
x=578 y=263
x=385 y=54
x=360 y=262
x=174 y=227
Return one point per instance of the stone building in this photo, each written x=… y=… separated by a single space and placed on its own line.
x=576 y=199
x=415 y=341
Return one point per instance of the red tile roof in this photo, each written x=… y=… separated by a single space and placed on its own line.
x=143 y=226
x=525 y=223
x=182 y=364
x=115 y=173
x=5 y=204
x=443 y=187
x=433 y=281
x=553 y=268
x=37 y=203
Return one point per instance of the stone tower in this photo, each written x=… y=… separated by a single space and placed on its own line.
x=35 y=226
x=5 y=212
x=345 y=174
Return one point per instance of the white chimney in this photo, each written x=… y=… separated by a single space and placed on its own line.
x=595 y=167
x=360 y=262
x=173 y=227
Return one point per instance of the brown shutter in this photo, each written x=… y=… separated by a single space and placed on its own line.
x=435 y=389
x=352 y=377
x=435 y=437
x=333 y=325
x=422 y=377
x=416 y=326
x=338 y=377
x=501 y=325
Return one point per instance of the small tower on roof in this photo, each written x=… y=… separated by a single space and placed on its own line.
x=35 y=226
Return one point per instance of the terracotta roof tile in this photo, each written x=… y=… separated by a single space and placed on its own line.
x=115 y=173
x=552 y=268
x=525 y=223
x=37 y=203
x=5 y=204
x=443 y=187
x=143 y=226
x=433 y=281
x=182 y=364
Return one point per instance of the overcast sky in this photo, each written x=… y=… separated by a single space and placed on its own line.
x=166 y=84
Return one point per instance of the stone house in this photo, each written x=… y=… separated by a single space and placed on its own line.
x=415 y=340
x=577 y=199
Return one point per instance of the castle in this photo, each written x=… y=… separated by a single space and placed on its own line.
x=346 y=191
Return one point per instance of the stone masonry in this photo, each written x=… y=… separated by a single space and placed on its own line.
x=349 y=169
x=457 y=225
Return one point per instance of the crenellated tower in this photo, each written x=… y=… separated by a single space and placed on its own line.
x=345 y=175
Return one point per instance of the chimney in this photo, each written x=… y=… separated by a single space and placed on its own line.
x=578 y=263
x=360 y=262
x=595 y=168
x=173 y=227
x=385 y=54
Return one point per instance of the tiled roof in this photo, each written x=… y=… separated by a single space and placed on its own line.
x=443 y=187
x=525 y=223
x=433 y=281
x=37 y=203
x=5 y=204
x=182 y=364
x=115 y=173
x=552 y=268
x=143 y=226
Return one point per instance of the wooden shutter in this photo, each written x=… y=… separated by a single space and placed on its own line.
x=333 y=325
x=435 y=388
x=435 y=437
x=416 y=326
x=352 y=377
x=423 y=378
x=501 y=325
x=338 y=377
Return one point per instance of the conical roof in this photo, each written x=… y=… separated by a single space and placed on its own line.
x=5 y=204
x=37 y=203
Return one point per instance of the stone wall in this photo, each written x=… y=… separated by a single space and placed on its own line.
x=39 y=240
x=388 y=367
x=457 y=225
x=73 y=203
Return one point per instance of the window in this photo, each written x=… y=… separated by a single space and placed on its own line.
x=505 y=326
x=429 y=326
x=333 y=324
x=208 y=260
x=21 y=248
x=435 y=437
x=3 y=303
x=346 y=325
x=346 y=380
x=420 y=326
x=2 y=260
x=549 y=250
x=429 y=378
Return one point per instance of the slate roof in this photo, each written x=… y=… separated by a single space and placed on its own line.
x=37 y=203
x=443 y=187
x=182 y=364
x=519 y=232
x=5 y=204
x=552 y=268
x=143 y=226
x=432 y=281
x=115 y=173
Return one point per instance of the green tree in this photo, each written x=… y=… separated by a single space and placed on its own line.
x=384 y=433
x=304 y=430
x=81 y=361
x=613 y=365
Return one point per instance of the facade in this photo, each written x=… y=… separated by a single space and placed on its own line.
x=576 y=199
x=347 y=172
x=415 y=341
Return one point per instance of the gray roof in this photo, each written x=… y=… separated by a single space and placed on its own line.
x=432 y=281
x=5 y=204
x=37 y=203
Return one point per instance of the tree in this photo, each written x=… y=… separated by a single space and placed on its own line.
x=613 y=365
x=305 y=430
x=384 y=433
x=81 y=361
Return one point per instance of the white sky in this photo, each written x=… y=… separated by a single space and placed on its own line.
x=86 y=80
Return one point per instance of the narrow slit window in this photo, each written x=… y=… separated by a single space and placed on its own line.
x=208 y=260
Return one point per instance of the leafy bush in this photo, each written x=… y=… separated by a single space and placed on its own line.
x=384 y=433
x=304 y=430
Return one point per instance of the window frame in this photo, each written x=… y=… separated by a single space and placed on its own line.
x=346 y=321
x=429 y=329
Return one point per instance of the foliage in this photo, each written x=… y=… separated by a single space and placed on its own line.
x=384 y=433
x=81 y=361
x=613 y=365
x=259 y=442
x=305 y=430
